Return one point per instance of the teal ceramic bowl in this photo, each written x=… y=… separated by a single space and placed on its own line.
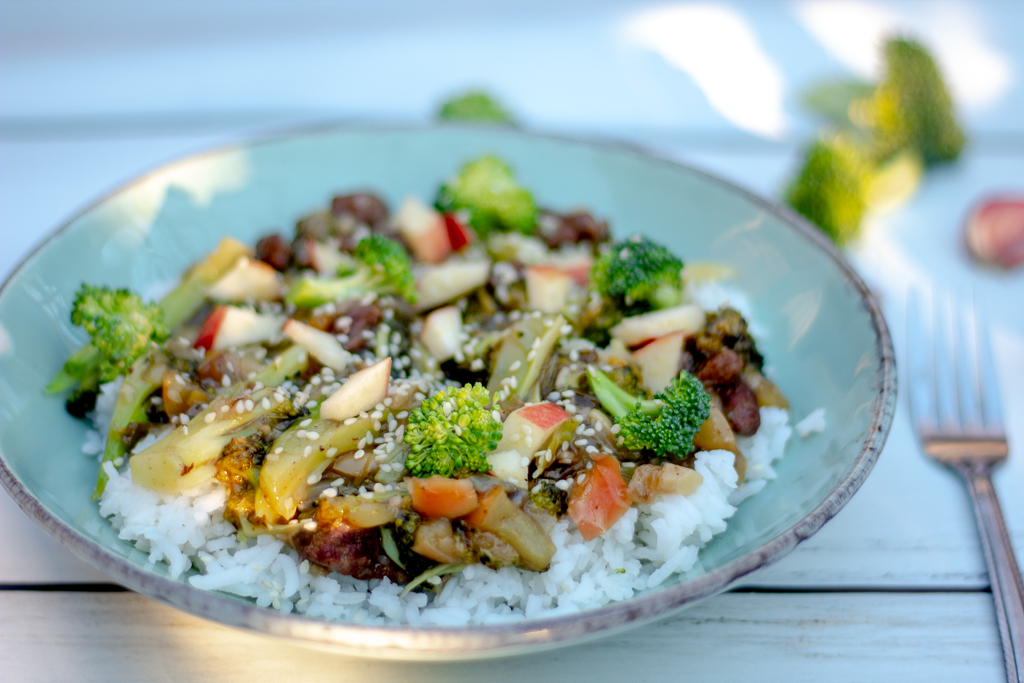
x=824 y=336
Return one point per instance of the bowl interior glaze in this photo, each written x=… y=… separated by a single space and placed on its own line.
x=825 y=339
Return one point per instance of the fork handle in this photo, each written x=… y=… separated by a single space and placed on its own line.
x=1004 y=576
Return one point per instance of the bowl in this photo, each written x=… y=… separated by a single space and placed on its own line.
x=823 y=334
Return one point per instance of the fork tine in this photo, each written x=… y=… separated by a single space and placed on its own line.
x=919 y=364
x=944 y=365
x=987 y=375
x=967 y=366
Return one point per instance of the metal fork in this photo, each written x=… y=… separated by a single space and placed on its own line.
x=954 y=402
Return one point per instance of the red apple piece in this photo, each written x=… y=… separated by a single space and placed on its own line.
x=460 y=235
x=577 y=266
x=230 y=326
x=442 y=332
x=688 y=319
x=442 y=283
x=528 y=429
x=321 y=345
x=547 y=288
x=248 y=280
x=424 y=230
x=659 y=360
x=360 y=393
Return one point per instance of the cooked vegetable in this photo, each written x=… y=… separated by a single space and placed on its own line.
x=303 y=452
x=505 y=519
x=438 y=496
x=665 y=424
x=383 y=267
x=121 y=327
x=549 y=497
x=185 y=458
x=488 y=191
x=830 y=188
x=451 y=433
x=522 y=353
x=602 y=498
x=639 y=274
x=145 y=377
x=650 y=480
x=474 y=105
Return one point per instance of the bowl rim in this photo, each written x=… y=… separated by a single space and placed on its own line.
x=507 y=638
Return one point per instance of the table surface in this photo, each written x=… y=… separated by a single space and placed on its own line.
x=893 y=588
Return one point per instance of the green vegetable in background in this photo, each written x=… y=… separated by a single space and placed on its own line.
x=884 y=137
x=830 y=189
x=474 y=105
x=383 y=267
x=639 y=274
x=488 y=191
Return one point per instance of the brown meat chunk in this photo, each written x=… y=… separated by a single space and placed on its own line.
x=740 y=407
x=576 y=227
x=354 y=321
x=722 y=368
x=274 y=251
x=361 y=207
x=347 y=549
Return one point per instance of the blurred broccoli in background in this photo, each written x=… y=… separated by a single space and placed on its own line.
x=911 y=108
x=488 y=191
x=882 y=139
x=638 y=274
x=830 y=189
x=474 y=105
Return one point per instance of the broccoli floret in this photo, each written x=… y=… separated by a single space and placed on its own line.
x=639 y=274
x=547 y=496
x=912 y=107
x=122 y=328
x=383 y=267
x=665 y=424
x=488 y=191
x=474 y=106
x=830 y=188
x=451 y=433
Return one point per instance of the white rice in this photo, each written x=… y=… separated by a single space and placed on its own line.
x=649 y=544
x=642 y=550
x=814 y=423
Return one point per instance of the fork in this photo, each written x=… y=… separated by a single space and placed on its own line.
x=954 y=402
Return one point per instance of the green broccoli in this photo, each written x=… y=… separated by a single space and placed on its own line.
x=549 y=497
x=383 y=267
x=122 y=328
x=912 y=108
x=474 y=105
x=638 y=274
x=487 y=189
x=831 y=187
x=451 y=433
x=665 y=424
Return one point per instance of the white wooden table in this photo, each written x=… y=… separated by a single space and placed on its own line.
x=894 y=588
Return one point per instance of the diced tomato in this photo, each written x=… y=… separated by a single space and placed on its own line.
x=602 y=498
x=479 y=514
x=439 y=496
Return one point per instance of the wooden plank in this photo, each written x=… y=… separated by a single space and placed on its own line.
x=734 y=637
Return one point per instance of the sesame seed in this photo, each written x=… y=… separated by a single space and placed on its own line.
x=515 y=366
x=349 y=421
x=265 y=403
x=210 y=417
x=305 y=423
x=313 y=436
x=307 y=451
x=331 y=452
x=580 y=442
x=615 y=429
x=225 y=381
x=360 y=454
